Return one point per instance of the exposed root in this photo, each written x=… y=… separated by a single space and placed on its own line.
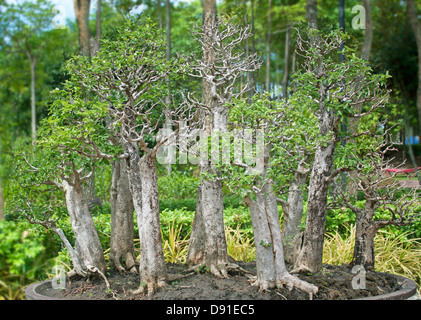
x=219 y=271
x=149 y=287
x=177 y=276
x=94 y=269
x=292 y=281
x=131 y=263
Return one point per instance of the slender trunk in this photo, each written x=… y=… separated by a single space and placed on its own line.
x=293 y=214
x=1 y=203
x=168 y=58
x=311 y=8
x=311 y=254
x=364 y=237
x=416 y=29
x=195 y=253
x=122 y=230
x=33 y=61
x=268 y=52
x=159 y=7
x=252 y=48
x=82 y=18
x=98 y=21
x=143 y=182
x=88 y=246
x=286 y=63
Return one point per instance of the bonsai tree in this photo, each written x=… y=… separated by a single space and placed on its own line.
x=257 y=183
x=387 y=202
x=48 y=165
x=332 y=90
x=127 y=78
x=222 y=65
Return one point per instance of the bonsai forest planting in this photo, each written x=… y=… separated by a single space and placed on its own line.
x=162 y=172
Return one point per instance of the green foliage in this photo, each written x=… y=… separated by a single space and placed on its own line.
x=177 y=186
x=23 y=251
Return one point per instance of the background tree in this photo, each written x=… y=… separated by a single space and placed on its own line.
x=25 y=24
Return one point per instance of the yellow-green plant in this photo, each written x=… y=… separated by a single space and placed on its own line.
x=396 y=254
x=239 y=245
x=175 y=246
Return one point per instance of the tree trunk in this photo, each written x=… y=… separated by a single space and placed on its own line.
x=1 y=203
x=159 y=7
x=122 y=244
x=364 y=237
x=311 y=8
x=168 y=58
x=270 y=263
x=416 y=29
x=196 y=250
x=311 y=254
x=214 y=251
x=82 y=18
x=33 y=61
x=293 y=214
x=144 y=188
x=88 y=246
x=268 y=52
x=286 y=63
x=368 y=37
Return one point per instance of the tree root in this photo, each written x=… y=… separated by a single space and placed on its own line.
x=220 y=271
x=131 y=263
x=149 y=287
x=288 y=280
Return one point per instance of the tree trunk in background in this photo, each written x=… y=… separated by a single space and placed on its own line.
x=311 y=8
x=286 y=63
x=168 y=57
x=87 y=246
x=368 y=37
x=88 y=46
x=252 y=48
x=82 y=18
x=268 y=52
x=33 y=62
x=416 y=29
x=159 y=7
x=1 y=203
x=122 y=230
x=98 y=24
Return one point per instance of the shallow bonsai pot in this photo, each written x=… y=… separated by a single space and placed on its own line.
x=408 y=289
x=40 y=290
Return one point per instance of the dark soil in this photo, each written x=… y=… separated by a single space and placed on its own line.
x=334 y=283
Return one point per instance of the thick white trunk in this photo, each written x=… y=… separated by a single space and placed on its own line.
x=144 y=188
x=88 y=246
x=122 y=229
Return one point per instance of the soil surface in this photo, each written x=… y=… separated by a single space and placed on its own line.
x=334 y=283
